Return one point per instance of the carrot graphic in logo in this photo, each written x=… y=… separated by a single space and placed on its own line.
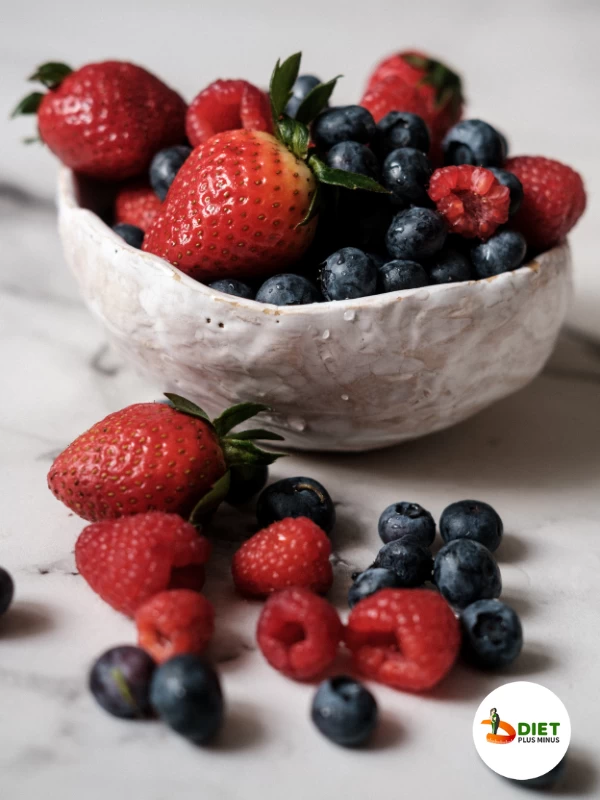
x=498 y=738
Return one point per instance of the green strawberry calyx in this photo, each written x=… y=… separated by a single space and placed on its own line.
x=51 y=75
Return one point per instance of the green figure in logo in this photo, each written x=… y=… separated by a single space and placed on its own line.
x=495 y=719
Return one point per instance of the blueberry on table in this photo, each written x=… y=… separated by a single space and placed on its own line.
x=164 y=167
x=303 y=85
x=474 y=142
x=406 y=173
x=472 y=519
x=288 y=290
x=370 y=581
x=416 y=234
x=492 y=634
x=7 y=591
x=233 y=287
x=347 y=274
x=401 y=129
x=406 y=519
x=450 y=266
x=343 y=124
x=344 y=711
x=412 y=563
x=131 y=234
x=120 y=682
x=353 y=157
x=245 y=481
x=186 y=694
x=397 y=275
x=296 y=497
x=465 y=571
x=515 y=188
x=503 y=252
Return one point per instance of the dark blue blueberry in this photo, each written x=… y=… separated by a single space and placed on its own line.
x=362 y=220
x=130 y=234
x=348 y=273
x=353 y=157
x=397 y=275
x=343 y=124
x=406 y=519
x=378 y=260
x=450 y=266
x=514 y=185
x=7 y=590
x=406 y=173
x=412 y=563
x=472 y=519
x=465 y=571
x=296 y=497
x=545 y=781
x=186 y=694
x=288 y=290
x=245 y=481
x=344 y=711
x=503 y=252
x=302 y=87
x=415 y=234
x=401 y=129
x=233 y=287
x=120 y=682
x=370 y=581
x=165 y=166
x=475 y=142
x=492 y=634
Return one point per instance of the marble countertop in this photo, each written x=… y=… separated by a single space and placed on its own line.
x=534 y=456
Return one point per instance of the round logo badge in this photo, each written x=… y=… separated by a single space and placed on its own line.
x=521 y=730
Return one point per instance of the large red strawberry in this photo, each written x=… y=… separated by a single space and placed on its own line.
x=137 y=204
x=553 y=199
x=105 y=120
x=225 y=106
x=152 y=456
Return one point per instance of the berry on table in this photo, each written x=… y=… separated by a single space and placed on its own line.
x=397 y=275
x=347 y=274
x=515 y=187
x=164 y=167
x=131 y=234
x=245 y=482
x=401 y=129
x=492 y=634
x=288 y=290
x=303 y=85
x=415 y=234
x=120 y=682
x=503 y=252
x=465 y=571
x=406 y=519
x=136 y=204
x=343 y=124
x=186 y=694
x=406 y=173
x=472 y=519
x=227 y=105
x=233 y=287
x=411 y=561
x=7 y=591
x=370 y=581
x=449 y=266
x=405 y=638
x=344 y=711
x=474 y=142
x=353 y=157
x=296 y=497
x=298 y=633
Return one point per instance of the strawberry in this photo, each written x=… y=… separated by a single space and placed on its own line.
x=225 y=106
x=151 y=456
x=105 y=120
x=393 y=94
x=127 y=561
x=553 y=199
x=136 y=204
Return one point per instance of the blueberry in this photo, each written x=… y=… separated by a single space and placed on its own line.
x=233 y=287
x=492 y=634
x=165 y=166
x=475 y=142
x=362 y=220
x=120 y=682
x=302 y=87
x=7 y=591
x=186 y=694
x=344 y=711
x=406 y=519
x=130 y=234
x=406 y=173
x=415 y=234
x=370 y=581
x=503 y=252
x=397 y=275
x=450 y=266
x=472 y=519
x=411 y=562
x=401 y=129
x=515 y=186
x=348 y=273
x=465 y=571
x=353 y=157
x=296 y=497
x=288 y=290
x=245 y=481
x=343 y=124
x=378 y=260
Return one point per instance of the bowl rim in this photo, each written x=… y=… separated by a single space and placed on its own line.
x=67 y=198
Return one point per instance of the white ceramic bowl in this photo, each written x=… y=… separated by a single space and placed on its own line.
x=348 y=375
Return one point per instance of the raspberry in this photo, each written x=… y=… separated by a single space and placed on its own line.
x=405 y=638
x=174 y=622
x=136 y=204
x=290 y=552
x=471 y=199
x=128 y=560
x=226 y=106
x=298 y=633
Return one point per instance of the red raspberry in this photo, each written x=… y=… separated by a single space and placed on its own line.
x=290 y=552
x=128 y=560
x=136 y=204
x=405 y=638
x=227 y=106
x=174 y=622
x=298 y=633
x=471 y=199
x=554 y=199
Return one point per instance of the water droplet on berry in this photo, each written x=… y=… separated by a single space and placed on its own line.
x=345 y=397
x=325 y=334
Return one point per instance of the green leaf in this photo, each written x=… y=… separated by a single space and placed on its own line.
x=236 y=415
x=339 y=177
x=29 y=104
x=313 y=209
x=283 y=78
x=242 y=451
x=51 y=74
x=206 y=507
x=258 y=433
x=187 y=407
x=294 y=135
x=315 y=101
